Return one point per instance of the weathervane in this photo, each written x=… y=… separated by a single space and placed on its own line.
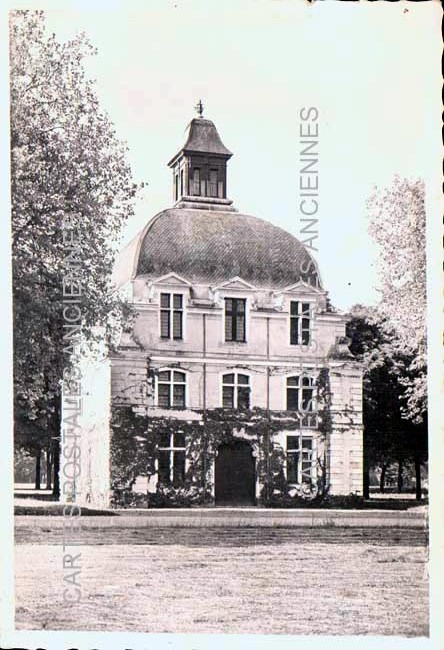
x=199 y=108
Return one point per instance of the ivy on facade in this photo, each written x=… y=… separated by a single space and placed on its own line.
x=135 y=441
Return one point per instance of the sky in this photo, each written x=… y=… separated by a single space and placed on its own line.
x=254 y=65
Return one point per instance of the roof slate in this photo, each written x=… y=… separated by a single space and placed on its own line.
x=204 y=138
x=210 y=247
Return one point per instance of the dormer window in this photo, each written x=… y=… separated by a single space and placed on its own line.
x=171 y=316
x=299 y=323
x=235 y=319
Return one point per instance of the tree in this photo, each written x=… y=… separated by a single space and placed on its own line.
x=389 y=436
x=383 y=393
x=68 y=170
x=398 y=225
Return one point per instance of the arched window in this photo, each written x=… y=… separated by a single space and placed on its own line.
x=171 y=389
x=236 y=391
x=300 y=393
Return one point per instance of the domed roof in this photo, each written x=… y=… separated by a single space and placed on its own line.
x=210 y=247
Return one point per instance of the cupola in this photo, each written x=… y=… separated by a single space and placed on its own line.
x=200 y=167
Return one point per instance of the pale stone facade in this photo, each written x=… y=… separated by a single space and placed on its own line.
x=233 y=326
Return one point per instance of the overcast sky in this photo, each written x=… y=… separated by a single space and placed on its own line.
x=368 y=68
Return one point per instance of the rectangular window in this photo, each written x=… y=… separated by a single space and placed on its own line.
x=176 y=188
x=181 y=183
x=171 y=459
x=300 y=459
x=299 y=323
x=235 y=319
x=171 y=315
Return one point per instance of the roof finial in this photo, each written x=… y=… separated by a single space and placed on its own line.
x=199 y=108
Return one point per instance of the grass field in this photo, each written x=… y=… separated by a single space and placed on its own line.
x=255 y=580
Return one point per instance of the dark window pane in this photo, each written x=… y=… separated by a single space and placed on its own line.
x=177 y=325
x=243 y=379
x=293 y=381
x=240 y=305
x=165 y=324
x=305 y=308
x=164 y=467
x=228 y=379
x=306 y=381
x=243 y=398
x=165 y=375
x=179 y=439
x=179 y=395
x=178 y=467
x=294 y=336
x=305 y=337
x=292 y=442
x=307 y=443
x=307 y=399
x=164 y=395
x=164 y=439
x=240 y=328
x=294 y=308
x=165 y=300
x=292 y=399
x=228 y=327
x=228 y=397
x=177 y=301
x=292 y=467
x=179 y=376
x=228 y=305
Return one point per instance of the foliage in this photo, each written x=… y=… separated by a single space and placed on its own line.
x=398 y=225
x=135 y=439
x=388 y=435
x=69 y=180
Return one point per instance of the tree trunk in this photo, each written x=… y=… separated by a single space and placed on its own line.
x=382 y=479
x=38 y=467
x=56 y=449
x=56 y=468
x=400 y=477
x=366 y=478
x=418 y=478
x=48 y=468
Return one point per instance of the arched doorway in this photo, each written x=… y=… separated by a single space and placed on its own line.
x=235 y=475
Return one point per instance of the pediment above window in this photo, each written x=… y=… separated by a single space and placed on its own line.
x=235 y=283
x=171 y=280
x=301 y=288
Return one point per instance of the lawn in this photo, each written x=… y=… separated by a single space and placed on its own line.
x=255 y=580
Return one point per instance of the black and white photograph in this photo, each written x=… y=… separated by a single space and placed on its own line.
x=222 y=355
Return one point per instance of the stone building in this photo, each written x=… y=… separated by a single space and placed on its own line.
x=234 y=383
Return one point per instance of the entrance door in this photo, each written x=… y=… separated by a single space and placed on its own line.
x=235 y=474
